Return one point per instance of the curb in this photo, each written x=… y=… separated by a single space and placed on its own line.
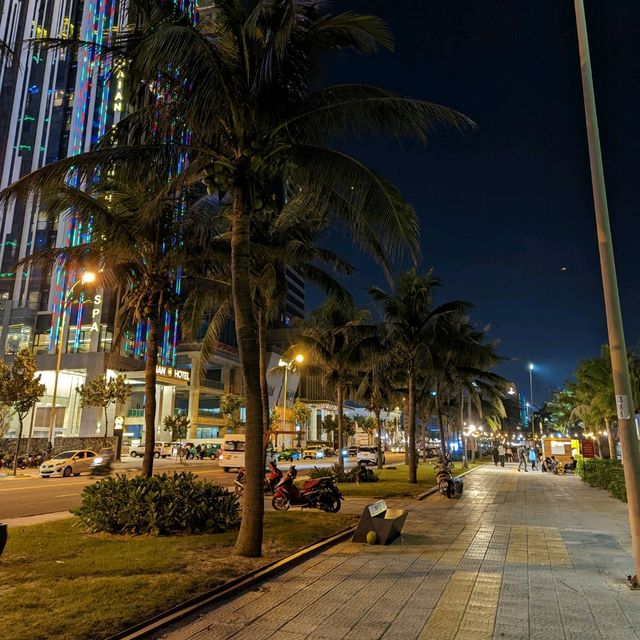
x=433 y=490
x=232 y=588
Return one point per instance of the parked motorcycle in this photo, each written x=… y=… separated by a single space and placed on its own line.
x=319 y=493
x=271 y=479
x=444 y=477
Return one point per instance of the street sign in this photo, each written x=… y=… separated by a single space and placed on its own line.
x=588 y=448
x=119 y=422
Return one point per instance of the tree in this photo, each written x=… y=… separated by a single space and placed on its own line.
x=368 y=424
x=337 y=340
x=20 y=389
x=300 y=414
x=413 y=326
x=141 y=244
x=244 y=87
x=330 y=427
x=103 y=392
x=179 y=427
x=230 y=405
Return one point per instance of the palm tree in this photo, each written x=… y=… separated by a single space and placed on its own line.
x=139 y=243
x=414 y=326
x=378 y=382
x=5 y=51
x=240 y=84
x=338 y=341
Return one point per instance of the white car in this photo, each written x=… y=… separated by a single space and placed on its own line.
x=368 y=455
x=67 y=463
x=313 y=452
x=161 y=450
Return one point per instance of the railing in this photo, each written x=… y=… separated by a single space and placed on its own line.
x=135 y=413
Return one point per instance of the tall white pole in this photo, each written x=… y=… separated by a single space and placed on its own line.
x=619 y=363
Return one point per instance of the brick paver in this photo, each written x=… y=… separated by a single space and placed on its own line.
x=519 y=556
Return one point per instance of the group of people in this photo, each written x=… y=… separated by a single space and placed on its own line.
x=527 y=454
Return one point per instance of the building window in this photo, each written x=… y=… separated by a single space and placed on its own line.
x=18 y=337
x=207 y=432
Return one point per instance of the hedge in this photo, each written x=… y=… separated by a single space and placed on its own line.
x=603 y=473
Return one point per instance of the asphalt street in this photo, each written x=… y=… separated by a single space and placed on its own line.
x=30 y=495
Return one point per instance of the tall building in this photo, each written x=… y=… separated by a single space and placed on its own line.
x=55 y=105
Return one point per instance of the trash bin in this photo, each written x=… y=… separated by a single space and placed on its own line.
x=458 y=486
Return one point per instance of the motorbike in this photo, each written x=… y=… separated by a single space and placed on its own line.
x=444 y=477
x=101 y=464
x=319 y=493
x=271 y=479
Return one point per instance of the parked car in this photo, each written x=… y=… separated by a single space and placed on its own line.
x=290 y=454
x=232 y=454
x=67 y=463
x=160 y=450
x=368 y=455
x=353 y=450
x=313 y=452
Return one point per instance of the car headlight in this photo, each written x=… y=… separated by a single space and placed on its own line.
x=97 y=460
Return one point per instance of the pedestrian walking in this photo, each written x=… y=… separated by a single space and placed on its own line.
x=496 y=456
x=532 y=458
x=509 y=454
x=522 y=460
x=501 y=454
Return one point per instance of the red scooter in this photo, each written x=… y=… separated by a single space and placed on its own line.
x=271 y=479
x=320 y=493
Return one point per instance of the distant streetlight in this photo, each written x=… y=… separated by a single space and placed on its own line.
x=287 y=366
x=617 y=346
x=87 y=278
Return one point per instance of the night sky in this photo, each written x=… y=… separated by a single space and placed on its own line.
x=505 y=209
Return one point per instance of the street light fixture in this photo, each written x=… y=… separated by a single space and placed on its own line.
x=287 y=366
x=87 y=278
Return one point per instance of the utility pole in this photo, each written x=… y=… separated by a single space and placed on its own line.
x=619 y=363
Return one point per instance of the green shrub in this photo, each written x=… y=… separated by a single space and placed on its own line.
x=160 y=505
x=356 y=474
x=604 y=473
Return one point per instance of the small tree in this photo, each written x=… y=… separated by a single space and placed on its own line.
x=20 y=389
x=368 y=424
x=230 y=405
x=330 y=427
x=300 y=413
x=103 y=392
x=179 y=427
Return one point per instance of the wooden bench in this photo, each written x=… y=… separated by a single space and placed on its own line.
x=387 y=523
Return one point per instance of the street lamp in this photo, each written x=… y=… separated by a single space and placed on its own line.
x=87 y=278
x=287 y=366
x=617 y=346
x=531 y=367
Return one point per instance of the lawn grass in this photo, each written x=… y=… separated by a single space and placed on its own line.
x=393 y=482
x=56 y=581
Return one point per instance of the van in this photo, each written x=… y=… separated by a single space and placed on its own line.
x=160 y=450
x=232 y=454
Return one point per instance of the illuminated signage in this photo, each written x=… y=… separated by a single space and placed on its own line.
x=173 y=373
x=95 y=313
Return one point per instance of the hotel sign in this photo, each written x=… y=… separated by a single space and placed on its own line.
x=174 y=374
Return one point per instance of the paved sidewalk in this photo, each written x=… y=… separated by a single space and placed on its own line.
x=519 y=556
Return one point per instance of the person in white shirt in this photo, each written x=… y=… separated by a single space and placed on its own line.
x=501 y=454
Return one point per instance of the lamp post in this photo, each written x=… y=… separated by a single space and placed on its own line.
x=617 y=345
x=287 y=365
x=86 y=278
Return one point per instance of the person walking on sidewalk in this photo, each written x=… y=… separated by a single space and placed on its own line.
x=501 y=453
x=532 y=458
x=496 y=456
x=522 y=461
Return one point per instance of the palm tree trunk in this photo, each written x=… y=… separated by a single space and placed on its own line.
x=264 y=389
x=249 y=541
x=379 y=421
x=413 y=467
x=150 y=394
x=340 y=424
x=106 y=429
x=465 y=462
x=611 y=440
x=443 y=438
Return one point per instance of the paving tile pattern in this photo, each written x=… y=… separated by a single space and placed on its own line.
x=519 y=556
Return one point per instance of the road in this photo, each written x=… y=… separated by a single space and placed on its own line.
x=32 y=495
